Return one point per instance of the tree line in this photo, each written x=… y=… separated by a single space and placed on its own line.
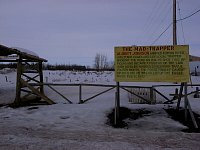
x=101 y=63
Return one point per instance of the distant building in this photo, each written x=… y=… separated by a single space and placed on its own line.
x=194 y=58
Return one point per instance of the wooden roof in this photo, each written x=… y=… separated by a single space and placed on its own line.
x=6 y=51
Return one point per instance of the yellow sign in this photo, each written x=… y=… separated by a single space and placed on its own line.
x=152 y=63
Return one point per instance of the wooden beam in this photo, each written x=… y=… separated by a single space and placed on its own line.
x=192 y=115
x=36 y=69
x=49 y=101
x=60 y=94
x=137 y=95
x=27 y=95
x=41 y=76
x=162 y=95
x=180 y=96
x=18 y=83
x=30 y=78
x=97 y=94
x=27 y=91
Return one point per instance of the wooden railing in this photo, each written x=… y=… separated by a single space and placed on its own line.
x=150 y=100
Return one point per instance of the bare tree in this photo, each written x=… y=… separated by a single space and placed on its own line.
x=104 y=62
x=100 y=62
x=97 y=61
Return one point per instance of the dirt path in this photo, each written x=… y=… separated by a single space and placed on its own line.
x=14 y=138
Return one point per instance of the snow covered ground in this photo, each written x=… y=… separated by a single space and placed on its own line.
x=83 y=126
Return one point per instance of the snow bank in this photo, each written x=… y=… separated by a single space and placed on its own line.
x=83 y=126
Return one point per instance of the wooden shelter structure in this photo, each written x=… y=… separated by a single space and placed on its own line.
x=29 y=80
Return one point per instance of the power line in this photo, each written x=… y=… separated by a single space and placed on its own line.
x=160 y=12
x=149 y=21
x=161 y=34
x=188 y=16
x=171 y=24
x=162 y=20
x=150 y=16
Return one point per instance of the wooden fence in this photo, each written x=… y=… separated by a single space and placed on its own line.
x=151 y=99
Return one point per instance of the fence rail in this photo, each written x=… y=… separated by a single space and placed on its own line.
x=152 y=89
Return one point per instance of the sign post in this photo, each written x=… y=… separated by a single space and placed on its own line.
x=117 y=104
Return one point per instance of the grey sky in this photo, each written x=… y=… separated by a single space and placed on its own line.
x=73 y=31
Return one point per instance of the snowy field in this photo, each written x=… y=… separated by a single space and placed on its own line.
x=83 y=126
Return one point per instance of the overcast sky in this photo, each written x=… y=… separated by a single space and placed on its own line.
x=73 y=31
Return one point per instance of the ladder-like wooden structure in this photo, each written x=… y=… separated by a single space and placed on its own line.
x=29 y=80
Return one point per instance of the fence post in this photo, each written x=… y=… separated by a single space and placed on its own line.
x=117 y=105
x=185 y=101
x=6 y=78
x=196 y=95
x=80 y=94
x=153 y=101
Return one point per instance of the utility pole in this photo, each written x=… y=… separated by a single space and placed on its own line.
x=183 y=84
x=175 y=43
x=174 y=23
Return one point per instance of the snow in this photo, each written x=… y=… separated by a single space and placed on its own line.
x=83 y=126
x=26 y=51
x=195 y=65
